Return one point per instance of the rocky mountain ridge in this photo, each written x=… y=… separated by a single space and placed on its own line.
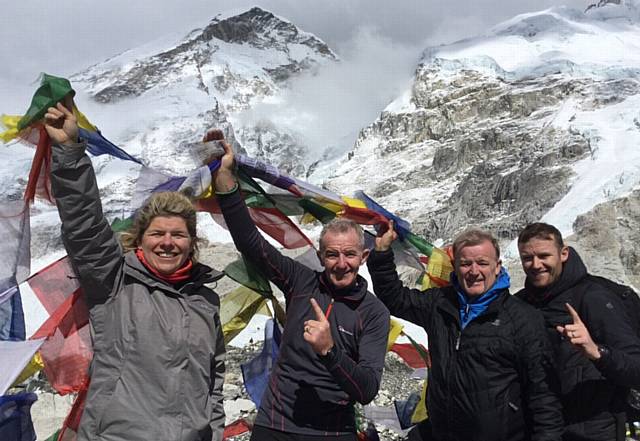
x=528 y=122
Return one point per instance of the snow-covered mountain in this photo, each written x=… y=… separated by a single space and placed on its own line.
x=156 y=100
x=167 y=93
x=537 y=119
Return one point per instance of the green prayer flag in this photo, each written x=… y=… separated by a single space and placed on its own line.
x=54 y=436
x=419 y=348
x=51 y=91
x=247 y=274
x=118 y=225
x=422 y=245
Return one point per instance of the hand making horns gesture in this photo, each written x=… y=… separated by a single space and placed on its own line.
x=578 y=335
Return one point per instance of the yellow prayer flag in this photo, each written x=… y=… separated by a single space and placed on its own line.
x=10 y=122
x=83 y=121
x=439 y=269
x=394 y=331
x=236 y=310
x=35 y=365
x=420 y=412
x=353 y=202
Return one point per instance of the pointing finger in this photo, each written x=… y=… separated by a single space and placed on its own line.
x=574 y=315
x=316 y=308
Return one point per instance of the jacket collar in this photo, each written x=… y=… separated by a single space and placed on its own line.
x=451 y=303
x=200 y=274
x=354 y=293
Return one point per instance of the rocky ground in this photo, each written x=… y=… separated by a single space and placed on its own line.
x=50 y=410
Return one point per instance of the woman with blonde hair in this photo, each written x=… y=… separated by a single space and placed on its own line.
x=158 y=363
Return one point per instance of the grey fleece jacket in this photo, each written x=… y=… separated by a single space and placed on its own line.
x=158 y=364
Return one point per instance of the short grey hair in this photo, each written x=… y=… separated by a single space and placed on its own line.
x=474 y=236
x=341 y=225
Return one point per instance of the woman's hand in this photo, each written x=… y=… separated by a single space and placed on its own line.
x=61 y=124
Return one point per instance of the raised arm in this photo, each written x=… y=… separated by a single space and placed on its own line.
x=409 y=304
x=281 y=270
x=91 y=244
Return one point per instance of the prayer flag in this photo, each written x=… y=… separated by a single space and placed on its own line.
x=15 y=356
x=15 y=417
x=256 y=372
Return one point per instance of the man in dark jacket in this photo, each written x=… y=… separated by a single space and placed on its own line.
x=597 y=353
x=490 y=378
x=334 y=342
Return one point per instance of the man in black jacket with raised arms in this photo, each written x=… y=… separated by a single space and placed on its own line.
x=596 y=350
x=334 y=342
x=490 y=378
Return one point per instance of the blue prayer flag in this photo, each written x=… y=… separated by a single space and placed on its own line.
x=12 y=326
x=15 y=417
x=256 y=372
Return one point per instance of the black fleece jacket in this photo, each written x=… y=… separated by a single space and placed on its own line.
x=309 y=394
x=593 y=393
x=492 y=380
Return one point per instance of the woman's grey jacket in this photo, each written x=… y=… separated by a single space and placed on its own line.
x=158 y=364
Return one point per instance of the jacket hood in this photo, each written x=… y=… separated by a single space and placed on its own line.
x=573 y=271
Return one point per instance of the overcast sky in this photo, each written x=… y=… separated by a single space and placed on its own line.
x=67 y=35
x=379 y=40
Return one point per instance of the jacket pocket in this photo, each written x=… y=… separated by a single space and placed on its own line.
x=105 y=415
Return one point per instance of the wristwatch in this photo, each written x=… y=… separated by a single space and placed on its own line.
x=604 y=354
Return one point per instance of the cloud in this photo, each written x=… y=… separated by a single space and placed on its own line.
x=378 y=41
x=63 y=37
x=330 y=106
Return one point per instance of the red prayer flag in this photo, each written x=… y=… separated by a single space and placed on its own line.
x=68 y=351
x=409 y=354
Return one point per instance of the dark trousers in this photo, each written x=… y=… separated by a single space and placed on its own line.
x=260 y=433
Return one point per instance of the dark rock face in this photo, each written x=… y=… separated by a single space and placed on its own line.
x=261 y=29
x=270 y=145
x=469 y=148
x=607 y=239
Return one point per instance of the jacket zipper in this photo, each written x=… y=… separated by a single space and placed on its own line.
x=458 y=340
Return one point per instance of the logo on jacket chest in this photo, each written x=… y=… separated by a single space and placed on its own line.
x=344 y=331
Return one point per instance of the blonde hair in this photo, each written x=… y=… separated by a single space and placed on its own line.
x=167 y=203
